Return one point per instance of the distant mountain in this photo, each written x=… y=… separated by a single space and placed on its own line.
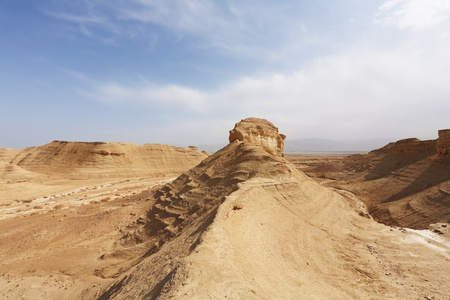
x=325 y=145
x=318 y=145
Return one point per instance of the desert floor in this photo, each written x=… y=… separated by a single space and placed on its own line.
x=56 y=232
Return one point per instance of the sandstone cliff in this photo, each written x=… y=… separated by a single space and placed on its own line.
x=406 y=183
x=80 y=160
x=414 y=146
x=443 y=142
x=440 y=146
x=258 y=132
x=246 y=224
x=411 y=145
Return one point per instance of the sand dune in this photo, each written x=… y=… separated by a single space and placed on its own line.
x=244 y=223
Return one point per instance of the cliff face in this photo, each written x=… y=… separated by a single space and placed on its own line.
x=414 y=146
x=246 y=224
x=259 y=132
x=99 y=159
x=443 y=142
x=440 y=146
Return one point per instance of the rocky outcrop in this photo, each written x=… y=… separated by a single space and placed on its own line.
x=443 y=142
x=440 y=146
x=82 y=160
x=414 y=145
x=259 y=132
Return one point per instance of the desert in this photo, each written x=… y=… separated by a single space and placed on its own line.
x=207 y=149
x=122 y=221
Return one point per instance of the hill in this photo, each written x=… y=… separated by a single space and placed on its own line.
x=60 y=166
x=81 y=160
x=405 y=183
x=244 y=223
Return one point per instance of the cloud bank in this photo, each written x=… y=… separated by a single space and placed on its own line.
x=347 y=70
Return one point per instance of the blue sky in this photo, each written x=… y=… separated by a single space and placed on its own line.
x=184 y=72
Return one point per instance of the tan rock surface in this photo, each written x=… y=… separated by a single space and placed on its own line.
x=443 y=142
x=413 y=145
x=245 y=224
x=81 y=160
x=409 y=188
x=259 y=132
x=242 y=224
x=62 y=167
x=64 y=203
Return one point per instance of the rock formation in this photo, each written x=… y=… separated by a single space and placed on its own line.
x=246 y=224
x=259 y=132
x=440 y=146
x=414 y=145
x=443 y=142
x=405 y=183
x=80 y=160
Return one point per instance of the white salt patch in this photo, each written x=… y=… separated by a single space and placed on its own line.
x=429 y=239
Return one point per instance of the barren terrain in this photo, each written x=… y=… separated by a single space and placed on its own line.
x=118 y=222
x=408 y=190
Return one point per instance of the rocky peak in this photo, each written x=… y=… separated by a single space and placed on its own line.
x=259 y=132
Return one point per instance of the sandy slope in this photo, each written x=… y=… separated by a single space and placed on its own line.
x=242 y=224
x=280 y=235
x=407 y=189
x=62 y=167
x=64 y=204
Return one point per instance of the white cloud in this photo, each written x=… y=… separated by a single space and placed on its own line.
x=77 y=18
x=262 y=30
x=361 y=94
x=388 y=84
x=414 y=14
x=164 y=97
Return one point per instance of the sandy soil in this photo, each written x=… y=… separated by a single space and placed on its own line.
x=242 y=224
x=53 y=252
x=275 y=233
x=63 y=205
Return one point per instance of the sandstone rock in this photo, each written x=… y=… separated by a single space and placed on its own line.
x=414 y=145
x=82 y=160
x=411 y=145
x=259 y=132
x=443 y=142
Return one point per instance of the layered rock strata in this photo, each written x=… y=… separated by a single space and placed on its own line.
x=82 y=160
x=414 y=145
x=259 y=132
x=443 y=142
x=440 y=146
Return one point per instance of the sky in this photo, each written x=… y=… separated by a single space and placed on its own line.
x=184 y=72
